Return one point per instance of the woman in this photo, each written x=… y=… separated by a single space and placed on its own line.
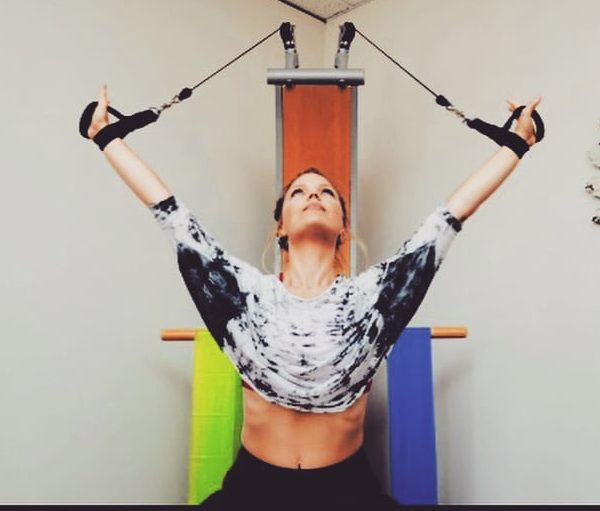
x=308 y=342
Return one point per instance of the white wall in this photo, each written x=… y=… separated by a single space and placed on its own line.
x=94 y=407
x=516 y=403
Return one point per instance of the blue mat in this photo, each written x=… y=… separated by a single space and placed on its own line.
x=413 y=467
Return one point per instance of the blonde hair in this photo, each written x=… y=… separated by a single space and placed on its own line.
x=340 y=261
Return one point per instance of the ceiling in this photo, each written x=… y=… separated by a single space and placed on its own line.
x=324 y=9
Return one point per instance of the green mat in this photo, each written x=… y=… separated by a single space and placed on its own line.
x=217 y=416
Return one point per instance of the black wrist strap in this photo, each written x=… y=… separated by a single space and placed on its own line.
x=123 y=127
x=504 y=137
x=501 y=136
x=119 y=129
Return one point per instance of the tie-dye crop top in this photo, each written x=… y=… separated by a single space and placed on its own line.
x=308 y=354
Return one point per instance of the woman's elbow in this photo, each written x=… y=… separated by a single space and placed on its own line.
x=461 y=210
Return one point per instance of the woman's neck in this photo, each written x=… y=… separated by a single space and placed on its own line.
x=308 y=282
x=310 y=264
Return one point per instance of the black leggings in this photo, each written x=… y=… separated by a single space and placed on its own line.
x=252 y=484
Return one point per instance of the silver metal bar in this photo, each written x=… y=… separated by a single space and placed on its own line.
x=291 y=59
x=278 y=162
x=341 y=59
x=342 y=77
x=354 y=182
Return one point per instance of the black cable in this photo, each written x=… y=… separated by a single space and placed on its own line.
x=236 y=58
x=394 y=61
x=501 y=135
x=186 y=92
x=129 y=123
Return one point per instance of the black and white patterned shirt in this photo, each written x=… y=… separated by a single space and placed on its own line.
x=308 y=354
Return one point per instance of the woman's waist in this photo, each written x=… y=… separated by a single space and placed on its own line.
x=349 y=479
x=260 y=413
x=313 y=448
x=288 y=436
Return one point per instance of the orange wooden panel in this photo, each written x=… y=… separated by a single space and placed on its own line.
x=317 y=132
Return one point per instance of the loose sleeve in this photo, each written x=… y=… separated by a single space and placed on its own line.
x=393 y=289
x=221 y=285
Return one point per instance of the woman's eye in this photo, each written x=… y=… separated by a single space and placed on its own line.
x=328 y=190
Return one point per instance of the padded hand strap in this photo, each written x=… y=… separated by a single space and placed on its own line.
x=504 y=137
x=119 y=129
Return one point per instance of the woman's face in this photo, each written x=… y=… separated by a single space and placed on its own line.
x=311 y=208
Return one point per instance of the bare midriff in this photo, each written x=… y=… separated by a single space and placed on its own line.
x=293 y=439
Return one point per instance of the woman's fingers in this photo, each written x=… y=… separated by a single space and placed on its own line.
x=512 y=104
x=103 y=98
x=100 y=115
x=525 y=126
x=528 y=109
x=101 y=110
x=104 y=93
x=531 y=106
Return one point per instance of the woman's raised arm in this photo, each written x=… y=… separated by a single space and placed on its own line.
x=142 y=180
x=479 y=186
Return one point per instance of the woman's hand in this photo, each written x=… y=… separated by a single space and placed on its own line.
x=100 y=116
x=525 y=126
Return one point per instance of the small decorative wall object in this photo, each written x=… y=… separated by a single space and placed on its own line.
x=593 y=184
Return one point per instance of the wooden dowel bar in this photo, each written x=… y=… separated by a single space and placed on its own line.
x=448 y=332
x=178 y=335
x=438 y=332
